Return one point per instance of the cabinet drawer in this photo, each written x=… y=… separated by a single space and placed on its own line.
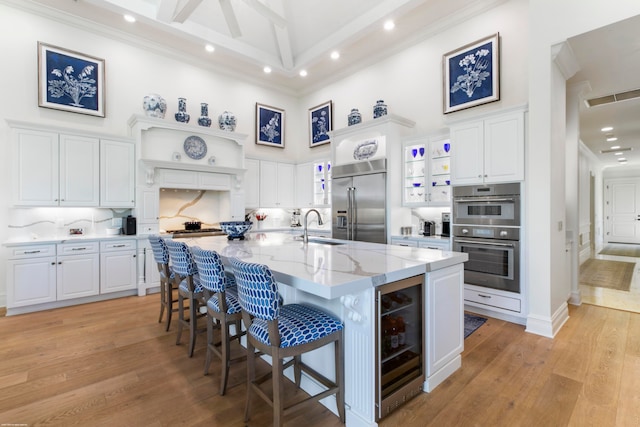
x=78 y=248
x=403 y=242
x=117 y=245
x=493 y=300
x=32 y=251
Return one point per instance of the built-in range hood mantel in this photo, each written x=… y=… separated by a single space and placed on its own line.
x=138 y=123
x=150 y=167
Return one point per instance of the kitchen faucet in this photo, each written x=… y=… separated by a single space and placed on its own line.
x=305 y=235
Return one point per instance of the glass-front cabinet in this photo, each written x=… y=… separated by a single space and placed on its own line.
x=322 y=183
x=426 y=175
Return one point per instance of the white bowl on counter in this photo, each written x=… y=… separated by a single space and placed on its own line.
x=113 y=231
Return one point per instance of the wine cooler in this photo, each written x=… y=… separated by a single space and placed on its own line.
x=400 y=343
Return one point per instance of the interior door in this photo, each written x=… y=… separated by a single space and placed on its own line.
x=622 y=210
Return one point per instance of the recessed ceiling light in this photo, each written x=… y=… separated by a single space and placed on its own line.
x=389 y=25
x=618 y=153
x=209 y=48
x=611 y=139
x=615 y=147
x=622 y=159
x=129 y=18
x=303 y=73
x=335 y=55
x=267 y=70
x=606 y=129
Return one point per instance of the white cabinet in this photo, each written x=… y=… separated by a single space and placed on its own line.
x=488 y=150
x=31 y=275
x=148 y=209
x=404 y=242
x=426 y=171
x=277 y=185
x=304 y=185
x=78 y=270
x=62 y=169
x=117 y=178
x=444 y=323
x=430 y=244
x=251 y=183
x=50 y=169
x=313 y=184
x=117 y=265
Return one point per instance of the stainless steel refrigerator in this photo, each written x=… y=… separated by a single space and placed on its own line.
x=358 y=201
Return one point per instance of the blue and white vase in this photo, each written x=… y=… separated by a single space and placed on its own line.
x=154 y=105
x=227 y=121
x=380 y=109
x=181 y=115
x=354 y=117
x=204 y=119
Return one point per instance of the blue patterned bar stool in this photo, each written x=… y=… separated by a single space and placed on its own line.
x=189 y=287
x=167 y=286
x=223 y=310
x=284 y=331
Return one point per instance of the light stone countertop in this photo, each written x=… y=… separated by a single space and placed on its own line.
x=330 y=271
x=65 y=239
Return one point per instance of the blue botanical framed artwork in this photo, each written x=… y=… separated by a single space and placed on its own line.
x=269 y=126
x=70 y=81
x=320 y=124
x=472 y=74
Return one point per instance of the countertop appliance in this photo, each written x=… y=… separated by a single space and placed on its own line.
x=358 y=201
x=446 y=224
x=486 y=226
x=429 y=228
x=129 y=225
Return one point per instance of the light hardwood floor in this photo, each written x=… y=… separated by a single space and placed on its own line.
x=111 y=363
x=621 y=300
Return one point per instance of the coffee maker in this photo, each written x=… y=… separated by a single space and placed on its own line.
x=295 y=218
x=446 y=224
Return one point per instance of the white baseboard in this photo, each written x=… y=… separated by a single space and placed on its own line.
x=548 y=326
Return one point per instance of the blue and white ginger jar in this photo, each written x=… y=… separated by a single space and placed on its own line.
x=154 y=105
x=227 y=121
x=354 y=117
x=380 y=109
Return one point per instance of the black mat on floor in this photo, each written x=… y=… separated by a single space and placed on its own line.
x=471 y=323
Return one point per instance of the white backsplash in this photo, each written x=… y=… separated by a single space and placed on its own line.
x=38 y=223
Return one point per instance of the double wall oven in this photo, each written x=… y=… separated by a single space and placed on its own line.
x=486 y=226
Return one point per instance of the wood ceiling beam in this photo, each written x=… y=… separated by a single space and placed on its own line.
x=165 y=10
x=283 y=37
x=230 y=17
x=185 y=9
x=266 y=12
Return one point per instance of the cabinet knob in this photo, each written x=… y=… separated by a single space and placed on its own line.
x=479 y=176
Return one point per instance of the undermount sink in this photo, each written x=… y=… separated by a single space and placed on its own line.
x=325 y=242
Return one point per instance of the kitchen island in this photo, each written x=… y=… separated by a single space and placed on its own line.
x=342 y=277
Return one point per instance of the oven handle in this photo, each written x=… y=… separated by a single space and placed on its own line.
x=483 y=199
x=508 y=245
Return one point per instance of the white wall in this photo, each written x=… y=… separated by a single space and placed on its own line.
x=551 y=22
x=131 y=72
x=410 y=82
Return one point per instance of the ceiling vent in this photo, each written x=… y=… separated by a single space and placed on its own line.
x=616 y=97
x=615 y=151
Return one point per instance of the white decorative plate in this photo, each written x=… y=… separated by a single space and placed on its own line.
x=365 y=149
x=195 y=147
